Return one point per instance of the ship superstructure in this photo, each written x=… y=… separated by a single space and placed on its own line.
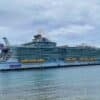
x=43 y=53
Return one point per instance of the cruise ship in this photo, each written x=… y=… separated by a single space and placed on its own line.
x=43 y=53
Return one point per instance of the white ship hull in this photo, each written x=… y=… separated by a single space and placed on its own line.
x=20 y=66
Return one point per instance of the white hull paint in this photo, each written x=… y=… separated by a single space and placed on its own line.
x=19 y=66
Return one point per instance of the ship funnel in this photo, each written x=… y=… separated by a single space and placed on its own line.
x=6 y=41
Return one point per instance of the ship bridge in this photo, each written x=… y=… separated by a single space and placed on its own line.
x=40 y=42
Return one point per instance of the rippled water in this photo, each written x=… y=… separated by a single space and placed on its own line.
x=77 y=83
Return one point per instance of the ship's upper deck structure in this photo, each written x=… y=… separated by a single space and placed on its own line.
x=40 y=42
x=42 y=48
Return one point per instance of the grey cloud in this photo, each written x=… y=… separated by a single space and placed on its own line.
x=21 y=18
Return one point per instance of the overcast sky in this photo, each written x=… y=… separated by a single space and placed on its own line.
x=69 y=22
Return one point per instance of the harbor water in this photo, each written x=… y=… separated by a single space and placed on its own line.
x=74 y=83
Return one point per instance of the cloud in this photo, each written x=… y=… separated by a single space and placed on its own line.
x=73 y=29
x=63 y=21
x=72 y=34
